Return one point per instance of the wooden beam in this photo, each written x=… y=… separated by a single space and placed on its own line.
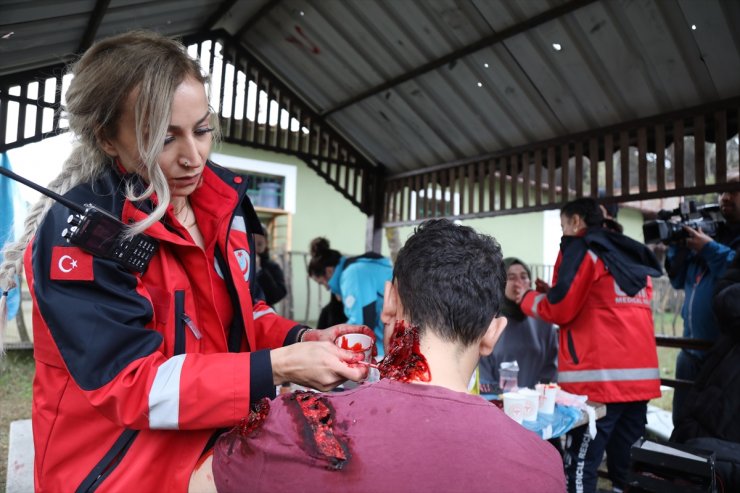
x=217 y=15
x=96 y=18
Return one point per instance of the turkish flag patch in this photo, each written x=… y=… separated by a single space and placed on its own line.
x=71 y=264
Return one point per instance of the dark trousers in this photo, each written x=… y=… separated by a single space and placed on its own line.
x=687 y=368
x=616 y=432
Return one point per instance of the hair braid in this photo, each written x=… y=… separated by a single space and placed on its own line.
x=103 y=79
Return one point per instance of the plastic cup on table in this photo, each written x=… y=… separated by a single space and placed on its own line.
x=531 y=403
x=547 y=405
x=540 y=388
x=514 y=406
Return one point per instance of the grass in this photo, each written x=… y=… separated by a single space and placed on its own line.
x=16 y=378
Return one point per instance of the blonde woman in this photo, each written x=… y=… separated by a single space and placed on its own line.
x=135 y=372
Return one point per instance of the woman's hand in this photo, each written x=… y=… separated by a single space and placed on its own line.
x=332 y=333
x=541 y=286
x=319 y=364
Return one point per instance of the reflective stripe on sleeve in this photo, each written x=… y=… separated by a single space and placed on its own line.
x=536 y=302
x=238 y=224
x=262 y=313
x=164 y=396
x=614 y=375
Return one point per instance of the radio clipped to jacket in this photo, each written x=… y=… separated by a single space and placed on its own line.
x=98 y=232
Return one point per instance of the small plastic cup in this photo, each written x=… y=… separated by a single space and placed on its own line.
x=359 y=343
x=514 y=406
x=547 y=405
x=531 y=403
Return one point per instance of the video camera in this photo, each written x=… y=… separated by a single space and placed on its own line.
x=666 y=230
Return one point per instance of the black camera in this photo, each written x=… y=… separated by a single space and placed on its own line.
x=669 y=231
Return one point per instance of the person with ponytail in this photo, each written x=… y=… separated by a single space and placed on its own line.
x=358 y=282
x=600 y=299
x=136 y=373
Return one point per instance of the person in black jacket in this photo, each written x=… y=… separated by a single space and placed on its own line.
x=709 y=420
x=269 y=273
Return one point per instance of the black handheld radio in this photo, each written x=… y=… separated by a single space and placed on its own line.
x=98 y=232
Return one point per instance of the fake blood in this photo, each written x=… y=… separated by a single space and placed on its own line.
x=318 y=428
x=255 y=420
x=404 y=361
x=356 y=347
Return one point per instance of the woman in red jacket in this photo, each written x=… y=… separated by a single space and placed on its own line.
x=600 y=298
x=139 y=365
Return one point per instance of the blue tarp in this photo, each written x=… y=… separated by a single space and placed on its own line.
x=556 y=424
x=550 y=425
x=8 y=200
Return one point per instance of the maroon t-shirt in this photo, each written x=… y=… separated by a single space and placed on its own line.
x=395 y=437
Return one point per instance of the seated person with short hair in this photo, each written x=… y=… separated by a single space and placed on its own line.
x=417 y=429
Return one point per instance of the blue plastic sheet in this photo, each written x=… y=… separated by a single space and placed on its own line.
x=550 y=425
x=555 y=424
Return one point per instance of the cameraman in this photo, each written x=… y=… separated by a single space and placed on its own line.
x=694 y=266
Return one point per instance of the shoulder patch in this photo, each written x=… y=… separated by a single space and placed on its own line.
x=71 y=264
x=349 y=301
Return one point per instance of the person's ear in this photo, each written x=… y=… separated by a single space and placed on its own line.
x=390 y=303
x=490 y=338
x=580 y=223
x=391 y=311
x=106 y=144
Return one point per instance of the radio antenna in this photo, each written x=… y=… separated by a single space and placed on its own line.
x=75 y=207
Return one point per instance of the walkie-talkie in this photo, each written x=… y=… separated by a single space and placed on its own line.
x=98 y=232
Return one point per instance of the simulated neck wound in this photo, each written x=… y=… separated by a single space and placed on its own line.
x=403 y=360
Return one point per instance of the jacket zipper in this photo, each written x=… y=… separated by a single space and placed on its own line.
x=572 y=347
x=179 y=322
x=109 y=462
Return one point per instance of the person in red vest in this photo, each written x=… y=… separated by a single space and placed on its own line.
x=600 y=298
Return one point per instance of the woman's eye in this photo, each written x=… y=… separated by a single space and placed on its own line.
x=169 y=139
x=203 y=131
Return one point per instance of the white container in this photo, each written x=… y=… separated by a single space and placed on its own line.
x=359 y=343
x=547 y=404
x=508 y=376
x=514 y=406
x=531 y=403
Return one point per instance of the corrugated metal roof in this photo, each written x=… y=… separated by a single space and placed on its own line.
x=618 y=61
x=51 y=31
x=418 y=83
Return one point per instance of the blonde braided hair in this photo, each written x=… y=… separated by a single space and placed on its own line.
x=104 y=77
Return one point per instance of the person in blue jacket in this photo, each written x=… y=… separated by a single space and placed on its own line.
x=358 y=282
x=695 y=267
